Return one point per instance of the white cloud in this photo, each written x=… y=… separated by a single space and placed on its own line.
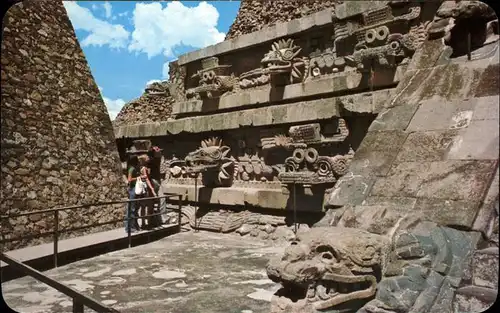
x=94 y=7
x=159 y=29
x=114 y=106
x=108 y=9
x=100 y=88
x=152 y=81
x=100 y=32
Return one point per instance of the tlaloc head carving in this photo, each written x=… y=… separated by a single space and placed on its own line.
x=327 y=267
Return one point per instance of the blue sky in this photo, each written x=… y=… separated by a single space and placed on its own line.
x=129 y=43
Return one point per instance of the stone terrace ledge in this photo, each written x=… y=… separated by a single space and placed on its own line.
x=267 y=34
x=279 y=30
x=370 y=102
x=347 y=82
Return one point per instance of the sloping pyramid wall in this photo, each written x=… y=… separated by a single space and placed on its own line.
x=58 y=146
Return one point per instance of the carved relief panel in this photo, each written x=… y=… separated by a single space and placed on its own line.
x=310 y=154
x=212 y=80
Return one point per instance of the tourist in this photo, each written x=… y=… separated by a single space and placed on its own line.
x=155 y=177
x=146 y=208
x=154 y=167
x=130 y=208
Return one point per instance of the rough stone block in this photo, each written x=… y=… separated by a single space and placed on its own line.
x=187 y=106
x=485 y=268
x=453 y=180
x=379 y=215
x=479 y=141
x=427 y=146
x=487 y=108
x=437 y=114
x=267 y=198
x=274 y=32
x=377 y=152
x=474 y=299
x=394 y=118
x=429 y=54
x=409 y=87
x=487 y=217
x=447 y=212
x=489 y=84
x=350 y=189
x=368 y=102
x=351 y=8
x=451 y=82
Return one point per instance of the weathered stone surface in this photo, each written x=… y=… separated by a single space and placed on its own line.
x=420 y=268
x=487 y=108
x=445 y=82
x=168 y=275
x=487 y=218
x=350 y=189
x=430 y=54
x=256 y=35
x=447 y=212
x=377 y=152
x=474 y=299
x=53 y=122
x=479 y=141
x=277 y=114
x=369 y=102
x=436 y=180
x=485 y=268
x=427 y=146
x=490 y=82
x=272 y=198
x=394 y=118
x=147 y=108
x=439 y=114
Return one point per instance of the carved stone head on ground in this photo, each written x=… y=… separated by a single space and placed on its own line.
x=328 y=268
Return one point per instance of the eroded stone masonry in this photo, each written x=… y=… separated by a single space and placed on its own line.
x=58 y=145
x=370 y=125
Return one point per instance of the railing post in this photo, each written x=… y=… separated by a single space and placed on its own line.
x=129 y=230
x=77 y=306
x=180 y=213
x=294 y=208
x=56 y=235
x=469 y=45
x=196 y=203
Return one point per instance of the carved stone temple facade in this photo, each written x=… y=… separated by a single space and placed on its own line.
x=372 y=126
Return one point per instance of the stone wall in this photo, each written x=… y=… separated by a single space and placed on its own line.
x=432 y=152
x=57 y=140
x=254 y=15
x=145 y=109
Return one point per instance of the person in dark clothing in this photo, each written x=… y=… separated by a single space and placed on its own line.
x=130 y=209
x=155 y=177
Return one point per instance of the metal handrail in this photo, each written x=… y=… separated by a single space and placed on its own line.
x=79 y=300
x=55 y=233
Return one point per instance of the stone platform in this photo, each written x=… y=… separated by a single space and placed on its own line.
x=184 y=273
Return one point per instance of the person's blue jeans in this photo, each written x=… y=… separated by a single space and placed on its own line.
x=130 y=214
